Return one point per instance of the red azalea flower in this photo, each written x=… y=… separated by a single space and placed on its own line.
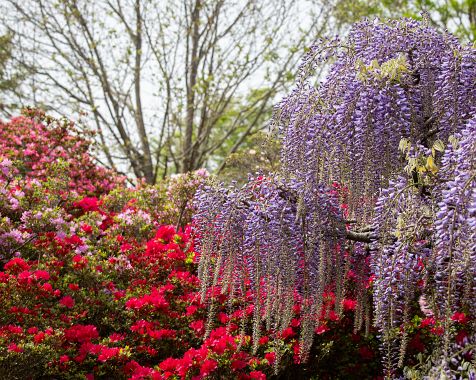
x=81 y=333
x=108 y=353
x=24 y=278
x=427 y=322
x=175 y=254
x=165 y=233
x=238 y=314
x=296 y=322
x=270 y=357
x=257 y=375
x=12 y=347
x=370 y=281
x=349 y=304
x=226 y=342
x=16 y=265
x=321 y=329
x=14 y=329
x=119 y=294
x=115 y=337
x=41 y=275
x=333 y=316
x=263 y=340
x=236 y=365
x=249 y=309
x=198 y=326
x=79 y=262
x=183 y=366
x=38 y=338
x=169 y=364
x=88 y=204
x=460 y=318
x=64 y=359
x=223 y=318
x=125 y=247
x=208 y=367
x=67 y=301
x=86 y=228
x=162 y=334
x=287 y=333
x=191 y=310
x=438 y=330
x=74 y=240
x=297 y=353
x=142 y=326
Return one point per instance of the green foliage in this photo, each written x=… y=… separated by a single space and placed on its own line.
x=458 y=16
x=9 y=80
x=260 y=154
x=391 y=70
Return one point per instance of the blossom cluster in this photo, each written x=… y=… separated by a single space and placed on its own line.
x=46 y=148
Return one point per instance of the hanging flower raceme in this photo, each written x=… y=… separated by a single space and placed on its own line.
x=403 y=223
x=392 y=80
x=426 y=223
x=455 y=226
x=282 y=239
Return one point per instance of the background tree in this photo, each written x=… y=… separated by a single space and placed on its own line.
x=9 y=78
x=156 y=77
x=259 y=154
x=457 y=16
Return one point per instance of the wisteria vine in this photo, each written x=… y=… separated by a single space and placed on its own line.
x=394 y=125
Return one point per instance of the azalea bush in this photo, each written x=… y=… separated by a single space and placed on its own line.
x=46 y=148
x=98 y=287
x=95 y=284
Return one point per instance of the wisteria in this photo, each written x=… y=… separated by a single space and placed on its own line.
x=403 y=224
x=378 y=180
x=427 y=246
x=390 y=80
x=455 y=226
x=275 y=236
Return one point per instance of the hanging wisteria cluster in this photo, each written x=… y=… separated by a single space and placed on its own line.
x=283 y=240
x=403 y=223
x=392 y=124
x=393 y=80
x=426 y=248
x=455 y=226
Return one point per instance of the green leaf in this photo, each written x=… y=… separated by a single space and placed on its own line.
x=439 y=146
